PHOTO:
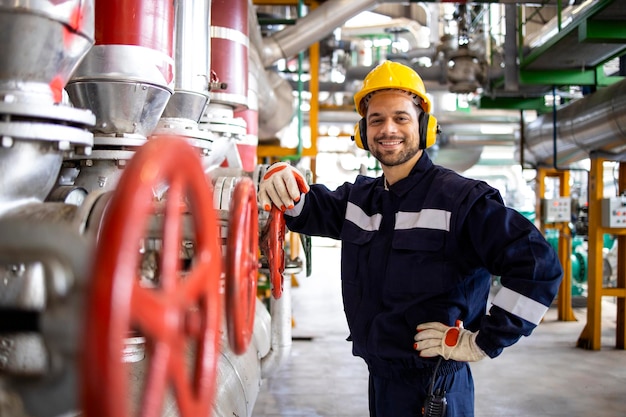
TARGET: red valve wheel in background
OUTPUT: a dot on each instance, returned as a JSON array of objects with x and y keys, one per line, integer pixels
[
  {"x": 179, "y": 315},
  {"x": 272, "y": 245},
  {"x": 242, "y": 265}
]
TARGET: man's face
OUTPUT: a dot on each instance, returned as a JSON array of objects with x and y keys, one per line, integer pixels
[{"x": 392, "y": 128}]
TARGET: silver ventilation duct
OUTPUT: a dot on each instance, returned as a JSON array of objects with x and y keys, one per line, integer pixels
[
  {"x": 594, "y": 123},
  {"x": 313, "y": 27},
  {"x": 416, "y": 35}
]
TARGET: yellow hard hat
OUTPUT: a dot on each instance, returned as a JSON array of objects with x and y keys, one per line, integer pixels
[{"x": 392, "y": 75}]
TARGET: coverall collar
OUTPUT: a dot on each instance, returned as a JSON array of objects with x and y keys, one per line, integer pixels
[{"x": 402, "y": 187}]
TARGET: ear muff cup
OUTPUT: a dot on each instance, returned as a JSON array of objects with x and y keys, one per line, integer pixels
[
  {"x": 360, "y": 138},
  {"x": 428, "y": 129}
]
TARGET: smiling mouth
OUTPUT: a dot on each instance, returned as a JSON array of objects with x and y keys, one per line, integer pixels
[{"x": 389, "y": 142}]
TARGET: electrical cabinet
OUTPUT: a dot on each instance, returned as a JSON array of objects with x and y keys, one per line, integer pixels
[
  {"x": 614, "y": 212},
  {"x": 556, "y": 210}
]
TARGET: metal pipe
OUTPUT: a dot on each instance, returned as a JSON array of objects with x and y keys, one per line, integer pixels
[
  {"x": 511, "y": 69},
  {"x": 238, "y": 376},
  {"x": 191, "y": 37},
  {"x": 192, "y": 62},
  {"x": 229, "y": 51},
  {"x": 127, "y": 78},
  {"x": 42, "y": 43},
  {"x": 416, "y": 34},
  {"x": 596, "y": 122},
  {"x": 148, "y": 24},
  {"x": 280, "y": 339},
  {"x": 310, "y": 29}
]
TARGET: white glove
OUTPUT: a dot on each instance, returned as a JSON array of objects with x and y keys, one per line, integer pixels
[
  {"x": 454, "y": 343},
  {"x": 282, "y": 185}
]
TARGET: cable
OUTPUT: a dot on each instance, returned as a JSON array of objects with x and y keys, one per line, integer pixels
[
  {"x": 432, "y": 381},
  {"x": 436, "y": 403}
]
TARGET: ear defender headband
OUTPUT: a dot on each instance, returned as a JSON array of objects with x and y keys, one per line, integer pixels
[{"x": 428, "y": 129}]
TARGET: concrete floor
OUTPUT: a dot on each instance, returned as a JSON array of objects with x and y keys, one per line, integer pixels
[{"x": 542, "y": 375}]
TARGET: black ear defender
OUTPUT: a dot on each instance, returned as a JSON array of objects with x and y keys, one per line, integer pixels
[
  {"x": 359, "y": 137},
  {"x": 428, "y": 130}
]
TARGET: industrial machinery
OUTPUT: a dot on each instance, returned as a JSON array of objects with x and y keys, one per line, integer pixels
[
  {"x": 131, "y": 244},
  {"x": 130, "y": 238}
]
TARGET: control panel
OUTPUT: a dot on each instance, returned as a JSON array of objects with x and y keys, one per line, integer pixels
[
  {"x": 556, "y": 210},
  {"x": 614, "y": 212}
]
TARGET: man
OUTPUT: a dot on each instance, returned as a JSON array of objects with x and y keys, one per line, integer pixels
[{"x": 419, "y": 247}]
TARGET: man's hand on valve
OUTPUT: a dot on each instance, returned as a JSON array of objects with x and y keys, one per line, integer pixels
[
  {"x": 456, "y": 343},
  {"x": 281, "y": 185}
]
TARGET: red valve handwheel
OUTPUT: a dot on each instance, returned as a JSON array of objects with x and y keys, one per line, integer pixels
[
  {"x": 242, "y": 260},
  {"x": 182, "y": 314},
  {"x": 273, "y": 247}
]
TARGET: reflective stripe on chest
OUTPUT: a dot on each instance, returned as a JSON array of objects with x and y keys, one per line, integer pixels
[{"x": 425, "y": 219}]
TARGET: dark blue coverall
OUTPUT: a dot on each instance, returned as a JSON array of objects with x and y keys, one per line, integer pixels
[{"x": 426, "y": 250}]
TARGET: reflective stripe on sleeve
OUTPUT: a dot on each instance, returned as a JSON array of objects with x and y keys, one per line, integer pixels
[
  {"x": 297, "y": 209},
  {"x": 425, "y": 219},
  {"x": 361, "y": 219},
  {"x": 520, "y": 305}
]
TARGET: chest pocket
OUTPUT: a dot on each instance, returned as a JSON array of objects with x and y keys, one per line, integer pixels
[
  {"x": 418, "y": 263},
  {"x": 355, "y": 252}
]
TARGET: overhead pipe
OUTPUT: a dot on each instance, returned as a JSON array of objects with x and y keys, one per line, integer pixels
[
  {"x": 275, "y": 99},
  {"x": 416, "y": 34},
  {"x": 312, "y": 28},
  {"x": 596, "y": 122}
]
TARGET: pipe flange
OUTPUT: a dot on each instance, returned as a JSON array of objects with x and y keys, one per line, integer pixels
[
  {"x": 109, "y": 155},
  {"x": 196, "y": 137},
  {"x": 234, "y": 126},
  {"x": 58, "y": 113},
  {"x": 68, "y": 139},
  {"x": 67, "y": 126}
]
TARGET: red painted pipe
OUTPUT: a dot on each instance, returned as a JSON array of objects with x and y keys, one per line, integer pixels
[
  {"x": 147, "y": 23},
  {"x": 229, "y": 46}
]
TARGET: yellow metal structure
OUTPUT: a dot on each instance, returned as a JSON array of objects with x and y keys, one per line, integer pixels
[
  {"x": 293, "y": 254},
  {"x": 564, "y": 297},
  {"x": 590, "y": 338}
]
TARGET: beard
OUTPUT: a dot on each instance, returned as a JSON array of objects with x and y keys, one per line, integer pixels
[{"x": 393, "y": 157}]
